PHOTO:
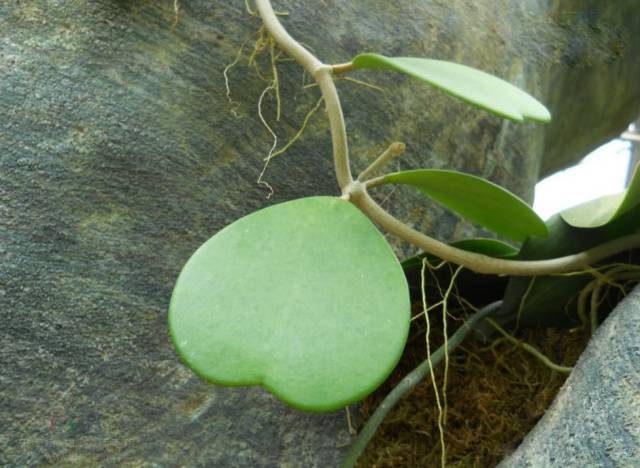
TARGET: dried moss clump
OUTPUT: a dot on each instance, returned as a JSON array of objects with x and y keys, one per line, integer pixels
[{"x": 496, "y": 393}]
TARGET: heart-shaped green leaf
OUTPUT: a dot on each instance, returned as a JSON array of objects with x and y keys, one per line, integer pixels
[
  {"x": 603, "y": 210},
  {"x": 473, "y": 86},
  {"x": 305, "y": 298},
  {"x": 477, "y": 199}
]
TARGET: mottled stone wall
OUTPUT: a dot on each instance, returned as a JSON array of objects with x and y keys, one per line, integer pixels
[
  {"x": 595, "y": 419},
  {"x": 119, "y": 155}
]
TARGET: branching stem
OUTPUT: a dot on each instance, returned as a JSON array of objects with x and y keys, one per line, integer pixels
[
  {"x": 323, "y": 75},
  {"x": 395, "y": 149},
  {"x": 482, "y": 263},
  {"x": 356, "y": 192}
]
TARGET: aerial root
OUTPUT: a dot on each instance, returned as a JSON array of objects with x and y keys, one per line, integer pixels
[
  {"x": 441, "y": 398},
  {"x": 264, "y": 43},
  {"x": 595, "y": 292},
  {"x": 261, "y": 180},
  {"x": 300, "y": 132},
  {"x": 436, "y": 392},
  {"x": 176, "y": 14},
  {"x": 532, "y": 350}
]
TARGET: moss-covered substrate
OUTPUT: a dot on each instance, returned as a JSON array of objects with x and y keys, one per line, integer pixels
[{"x": 496, "y": 393}]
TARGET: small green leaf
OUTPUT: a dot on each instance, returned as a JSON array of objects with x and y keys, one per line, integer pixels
[
  {"x": 477, "y": 199},
  {"x": 472, "y": 86},
  {"x": 603, "y": 210},
  {"x": 305, "y": 298}
]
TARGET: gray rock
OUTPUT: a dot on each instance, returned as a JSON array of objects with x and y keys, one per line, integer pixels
[
  {"x": 595, "y": 419},
  {"x": 119, "y": 156}
]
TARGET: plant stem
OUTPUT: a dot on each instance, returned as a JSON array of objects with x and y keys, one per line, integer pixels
[
  {"x": 395, "y": 149},
  {"x": 375, "y": 182},
  {"x": 409, "y": 382},
  {"x": 483, "y": 263},
  {"x": 323, "y": 75},
  {"x": 355, "y": 191},
  {"x": 342, "y": 68}
]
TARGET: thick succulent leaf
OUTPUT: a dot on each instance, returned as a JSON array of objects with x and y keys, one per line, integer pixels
[
  {"x": 477, "y": 199},
  {"x": 473, "y": 86},
  {"x": 603, "y": 210},
  {"x": 304, "y": 298}
]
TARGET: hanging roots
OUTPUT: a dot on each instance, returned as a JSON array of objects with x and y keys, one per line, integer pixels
[
  {"x": 618, "y": 276},
  {"x": 495, "y": 393},
  {"x": 442, "y": 407},
  {"x": 263, "y": 43},
  {"x": 176, "y": 14}
]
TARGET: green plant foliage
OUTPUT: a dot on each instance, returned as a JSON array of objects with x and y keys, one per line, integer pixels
[
  {"x": 304, "y": 298},
  {"x": 472, "y": 86},
  {"x": 547, "y": 297},
  {"x": 604, "y": 210},
  {"x": 551, "y": 299},
  {"x": 477, "y": 199}
]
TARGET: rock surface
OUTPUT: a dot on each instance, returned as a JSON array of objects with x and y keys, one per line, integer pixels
[
  {"x": 595, "y": 419},
  {"x": 120, "y": 155}
]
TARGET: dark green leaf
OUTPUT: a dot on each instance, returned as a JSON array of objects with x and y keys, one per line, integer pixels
[
  {"x": 476, "y": 199},
  {"x": 552, "y": 299},
  {"x": 304, "y": 298},
  {"x": 473, "y": 86}
]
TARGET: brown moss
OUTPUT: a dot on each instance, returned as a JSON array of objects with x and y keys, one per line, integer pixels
[{"x": 496, "y": 393}]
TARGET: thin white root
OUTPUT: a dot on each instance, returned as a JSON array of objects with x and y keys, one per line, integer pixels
[{"x": 261, "y": 180}]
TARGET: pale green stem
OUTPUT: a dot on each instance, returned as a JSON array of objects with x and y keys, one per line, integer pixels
[
  {"x": 323, "y": 75},
  {"x": 482, "y": 263},
  {"x": 342, "y": 68},
  {"x": 395, "y": 149},
  {"x": 355, "y": 191},
  {"x": 375, "y": 182}
]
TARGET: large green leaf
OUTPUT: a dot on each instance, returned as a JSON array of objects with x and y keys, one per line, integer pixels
[
  {"x": 476, "y": 199},
  {"x": 304, "y": 298},
  {"x": 603, "y": 210},
  {"x": 473, "y": 86}
]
